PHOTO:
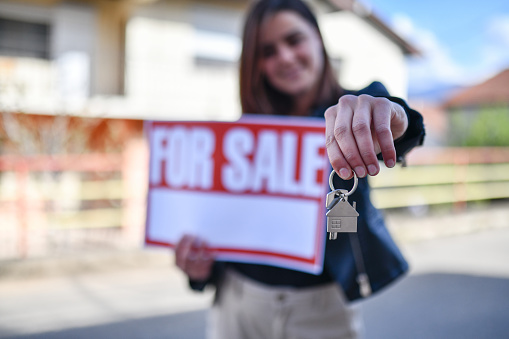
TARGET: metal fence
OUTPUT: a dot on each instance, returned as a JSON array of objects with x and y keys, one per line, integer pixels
[
  {"x": 63, "y": 203},
  {"x": 444, "y": 176},
  {"x": 56, "y": 205}
]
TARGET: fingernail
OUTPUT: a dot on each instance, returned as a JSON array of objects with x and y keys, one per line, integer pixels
[
  {"x": 360, "y": 171},
  {"x": 372, "y": 170},
  {"x": 390, "y": 163},
  {"x": 344, "y": 173}
]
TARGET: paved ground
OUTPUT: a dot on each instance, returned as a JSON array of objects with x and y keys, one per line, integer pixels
[{"x": 458, "y": 288}]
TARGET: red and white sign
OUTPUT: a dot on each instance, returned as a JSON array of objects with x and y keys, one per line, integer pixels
[{"x": 253, "y": 189}]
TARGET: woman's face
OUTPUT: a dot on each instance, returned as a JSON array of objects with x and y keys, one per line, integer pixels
[{"x": 291, "y": 53}]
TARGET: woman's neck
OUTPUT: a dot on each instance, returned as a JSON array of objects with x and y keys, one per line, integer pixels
[{"x": 303, "y": 103}]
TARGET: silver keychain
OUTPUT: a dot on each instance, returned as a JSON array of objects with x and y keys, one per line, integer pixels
[{"x": 341, "y": 216}]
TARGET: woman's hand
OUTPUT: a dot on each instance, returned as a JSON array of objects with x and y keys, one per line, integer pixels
[
  {"x": 360, "y": 127},
  {"x": 194, "y": 257}
]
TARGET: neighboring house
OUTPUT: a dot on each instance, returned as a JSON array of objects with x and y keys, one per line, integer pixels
[
  {"x": 492, "y": 92},
  {"x": 164, "y": 59},
  {"x": 93, "y": 70},
  {"x": 479, "y": 115}
]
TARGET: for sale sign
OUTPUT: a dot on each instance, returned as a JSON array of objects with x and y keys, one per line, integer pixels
[{"x": 254, "y": 189}]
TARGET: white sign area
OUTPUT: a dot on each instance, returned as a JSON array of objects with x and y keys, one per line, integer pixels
[{"x": 253, "y": 189}]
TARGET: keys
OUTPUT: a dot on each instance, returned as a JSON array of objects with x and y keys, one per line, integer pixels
[{"x": 341, "y": 216}]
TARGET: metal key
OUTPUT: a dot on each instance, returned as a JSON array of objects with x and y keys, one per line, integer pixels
[
  {"x": 341, "y": 216},
  {"x": 333, "y": 198}
]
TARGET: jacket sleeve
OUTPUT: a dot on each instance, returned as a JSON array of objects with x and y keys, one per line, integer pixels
[
  {"x": 415, "y": 133},
  {"x": 217, "y": 272}
]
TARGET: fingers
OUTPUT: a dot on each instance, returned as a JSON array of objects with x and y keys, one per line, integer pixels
[
  {"x": 366, "y": 161},
  {"x": 336, "y": 157},
  {"x": 194, "y": 257},
  {"x": 382, "y": 112},
  {"x": 357, "y": 129},
  {"x": 348, "y": 137}
]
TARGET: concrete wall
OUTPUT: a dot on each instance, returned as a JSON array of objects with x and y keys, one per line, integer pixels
[
  {"x": 179, "y": 65},
  {"x": 172, "y": 59}
]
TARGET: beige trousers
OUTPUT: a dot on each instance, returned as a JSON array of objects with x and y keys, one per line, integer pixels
[{"x": 246, "y": 309}]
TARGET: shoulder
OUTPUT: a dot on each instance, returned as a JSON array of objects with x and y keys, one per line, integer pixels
[{"x": 376, "y": 89}]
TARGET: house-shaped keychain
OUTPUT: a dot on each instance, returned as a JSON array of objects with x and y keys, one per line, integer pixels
[{"x": 342, "y": 217}]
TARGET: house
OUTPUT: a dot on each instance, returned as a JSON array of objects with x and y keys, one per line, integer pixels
[
  {"x": 479, "y": 115},
  {"x": 80, "y": 76},
  {"x": 342, "y": 217},
  {"x": 147, "y": 59},
  {"x": 492, "y": 92}
]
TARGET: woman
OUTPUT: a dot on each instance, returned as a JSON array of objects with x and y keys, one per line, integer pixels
[{"x": 284, "y": 70}]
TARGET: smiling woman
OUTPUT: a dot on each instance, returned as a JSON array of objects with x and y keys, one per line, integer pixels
[
  {"x": 283, "y": 58},
  {"x": 291, "y": 57},
  {"x": 285, "y": 70}
]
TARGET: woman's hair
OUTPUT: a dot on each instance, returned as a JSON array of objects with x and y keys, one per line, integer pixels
[{"x": 256, "y": 94}]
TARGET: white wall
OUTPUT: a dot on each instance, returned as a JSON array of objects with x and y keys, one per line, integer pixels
[
  {"x": 163, "y": 79},
  {"x": 164, "y": 41},
  {"x": 164, "y": 82},
  {"x": 366, "y": 54}
]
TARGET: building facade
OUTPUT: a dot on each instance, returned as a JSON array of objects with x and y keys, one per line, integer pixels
[{"x": 177, "y": 59}]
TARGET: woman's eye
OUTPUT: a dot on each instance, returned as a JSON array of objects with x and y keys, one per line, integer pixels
[
  {"x": 268, "y": 52},
  {"x": 295, "y": 40}
]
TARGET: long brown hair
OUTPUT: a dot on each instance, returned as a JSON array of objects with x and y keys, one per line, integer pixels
[{"x": 256, "y": 93}]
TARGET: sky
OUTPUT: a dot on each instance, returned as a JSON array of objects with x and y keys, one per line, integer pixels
[{"x": 462, "y": 42}]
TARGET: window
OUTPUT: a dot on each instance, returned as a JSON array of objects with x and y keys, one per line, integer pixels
[
  {"x": 212, "y": 49},
  {"x": 24, "y": 39}
]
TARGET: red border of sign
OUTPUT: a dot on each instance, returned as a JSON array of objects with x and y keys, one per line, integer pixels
[{"x": 312, "y": 123}]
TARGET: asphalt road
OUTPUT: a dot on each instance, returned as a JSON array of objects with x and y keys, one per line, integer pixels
[{"x": 458, "y": 288}]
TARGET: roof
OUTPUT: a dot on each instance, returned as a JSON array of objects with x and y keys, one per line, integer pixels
[
  {"x": 366, "y": 13},
  {"x": 342, "y": 209},
  {"x": 492, "y": 91}
]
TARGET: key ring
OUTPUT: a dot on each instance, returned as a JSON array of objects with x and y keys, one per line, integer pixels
[{"x": 355, "y": 183}]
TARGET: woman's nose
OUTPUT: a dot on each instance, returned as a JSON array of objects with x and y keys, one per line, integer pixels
[{"x": 286, "y": 54}]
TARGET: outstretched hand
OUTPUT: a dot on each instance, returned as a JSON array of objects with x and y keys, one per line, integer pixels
[{"x": 360, "y": 127}]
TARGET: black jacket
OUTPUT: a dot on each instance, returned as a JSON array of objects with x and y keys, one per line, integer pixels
[{"x": 383, "y": 262}]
